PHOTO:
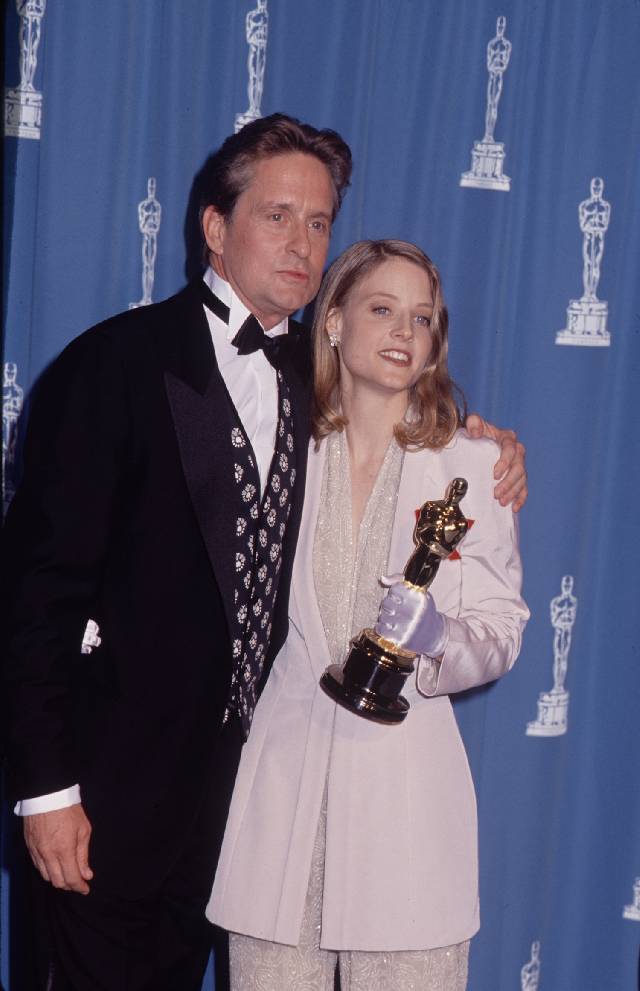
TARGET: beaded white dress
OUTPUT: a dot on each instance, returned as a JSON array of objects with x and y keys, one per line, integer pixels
[{"x": 346, "y": 577}]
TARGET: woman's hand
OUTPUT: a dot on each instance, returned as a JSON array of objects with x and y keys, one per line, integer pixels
[
  {"x": 410, "y": 619},
  {"x": 510, "y": 471}
]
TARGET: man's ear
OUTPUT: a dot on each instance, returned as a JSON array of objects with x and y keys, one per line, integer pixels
[
  {"x": 213, "y": 228},
  {"x": 333, "y": 325}
]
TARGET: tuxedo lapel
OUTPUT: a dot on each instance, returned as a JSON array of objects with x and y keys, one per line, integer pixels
[{"x": 199, "y": 407}]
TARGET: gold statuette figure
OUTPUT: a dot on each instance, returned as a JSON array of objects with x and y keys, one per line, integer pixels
[{"x": 371, "y": 679}]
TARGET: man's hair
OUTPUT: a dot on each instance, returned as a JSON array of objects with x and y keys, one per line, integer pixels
[
  {"x": 230, "y": 169},
  {"x": 433, "y": 416}
]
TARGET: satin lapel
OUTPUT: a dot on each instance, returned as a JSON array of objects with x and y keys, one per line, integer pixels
[
  {"x": 304, "y": 611},
  {"x": 199, "y": 406}
]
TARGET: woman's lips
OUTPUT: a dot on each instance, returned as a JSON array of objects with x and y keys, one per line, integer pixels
[{"x": 396, "y": 356}]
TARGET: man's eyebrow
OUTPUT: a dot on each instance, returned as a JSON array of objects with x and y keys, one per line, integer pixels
[{"x": 274, "y": 205}]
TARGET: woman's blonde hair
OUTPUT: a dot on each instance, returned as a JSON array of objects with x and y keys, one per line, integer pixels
[{"x": 433, "y": 415}]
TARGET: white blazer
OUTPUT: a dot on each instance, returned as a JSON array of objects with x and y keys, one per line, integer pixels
[{"x": 401, "y": 853}]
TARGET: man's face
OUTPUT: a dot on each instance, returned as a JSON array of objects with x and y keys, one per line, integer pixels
[{"x": 273, "y": 248}]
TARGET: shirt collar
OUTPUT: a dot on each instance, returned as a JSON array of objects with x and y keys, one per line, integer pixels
[{"x": 238, "y": 312}]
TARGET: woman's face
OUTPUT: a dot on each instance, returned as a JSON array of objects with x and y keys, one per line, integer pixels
[{"x": 384, "y": 328}]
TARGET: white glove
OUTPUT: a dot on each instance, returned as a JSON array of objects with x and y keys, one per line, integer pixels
[{"x": 410, "y": 618}]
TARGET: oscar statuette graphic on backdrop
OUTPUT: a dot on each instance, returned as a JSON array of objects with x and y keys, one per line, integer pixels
[
  {"x": 587, "y": 316},
  {"x": 371, "y": 679},
  {"x": 553, "y": 706},
  {"x": 149, "y": 218},
  {"x": 632, "y": 911},
  {"x": 23, "y": 103},
  {"x": 12, "y": 403},
  {"x": 257, "y": 32},
  {"x": 487, "y": 156},
  {"x": 530, "y": 972}
]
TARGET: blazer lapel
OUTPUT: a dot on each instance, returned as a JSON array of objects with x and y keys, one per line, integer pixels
[
  {"x": 417, "y": 484},
  {"x": 299, "y": 391},
  {"x": 292, "y": 365},
  {"x": 305, "y": 612}
]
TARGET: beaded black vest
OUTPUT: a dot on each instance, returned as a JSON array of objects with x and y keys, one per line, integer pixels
[{"x": 260, "y": 530}]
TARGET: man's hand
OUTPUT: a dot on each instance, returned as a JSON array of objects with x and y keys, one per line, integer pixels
[
  {"x": 58, "y": 843},
  {"x": 510, "y": 470}
]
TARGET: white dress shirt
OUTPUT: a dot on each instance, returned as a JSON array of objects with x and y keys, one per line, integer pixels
[
  {"x": 250, "y": 380},
  {"x": 252, "y": 383}
]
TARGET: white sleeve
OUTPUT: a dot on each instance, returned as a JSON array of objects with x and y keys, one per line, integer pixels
[
  {"x": 485, "y": 635},
  {"x": 49, "y": 803}
]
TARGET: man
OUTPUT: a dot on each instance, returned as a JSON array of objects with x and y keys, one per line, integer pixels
[{"x": 162, "y": 500}]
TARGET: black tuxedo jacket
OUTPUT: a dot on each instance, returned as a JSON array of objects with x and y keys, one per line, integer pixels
[{"x": 126, "y": 516}]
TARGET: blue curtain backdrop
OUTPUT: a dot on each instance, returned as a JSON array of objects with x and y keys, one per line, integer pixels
[{"x": 133, "y": 91}]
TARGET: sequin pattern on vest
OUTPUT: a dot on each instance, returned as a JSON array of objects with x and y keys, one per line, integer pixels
[{"x": 260, "y": 531}]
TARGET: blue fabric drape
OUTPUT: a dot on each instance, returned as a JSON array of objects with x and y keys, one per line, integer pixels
[{"x": 133, "y": 91}]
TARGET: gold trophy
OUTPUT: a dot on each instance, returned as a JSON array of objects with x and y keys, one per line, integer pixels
[{"x": 371, "y": 679}]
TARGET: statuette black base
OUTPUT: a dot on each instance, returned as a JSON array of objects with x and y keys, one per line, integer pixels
[{"x": 371, "y": 679}]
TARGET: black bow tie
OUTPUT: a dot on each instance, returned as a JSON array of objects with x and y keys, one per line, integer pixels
[{"x": 251, "y": 337}]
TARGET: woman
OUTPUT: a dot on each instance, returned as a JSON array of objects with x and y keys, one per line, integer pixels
[{"x": 346, "y": 836}]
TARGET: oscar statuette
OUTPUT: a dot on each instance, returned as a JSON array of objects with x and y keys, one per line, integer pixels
[{"x": 371, "y": 679}]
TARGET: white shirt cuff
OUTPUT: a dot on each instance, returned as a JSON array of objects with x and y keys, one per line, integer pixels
[{"x": 49, "y": 803}]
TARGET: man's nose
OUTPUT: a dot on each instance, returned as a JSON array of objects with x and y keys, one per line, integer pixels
[{"x": 299, "y": 240}]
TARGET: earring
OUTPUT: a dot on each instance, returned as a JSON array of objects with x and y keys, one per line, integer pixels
[{"x": 333, "y": 340}]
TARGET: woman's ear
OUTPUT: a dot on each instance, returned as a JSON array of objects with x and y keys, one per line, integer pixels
[{"x": 333, "y": 325}]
